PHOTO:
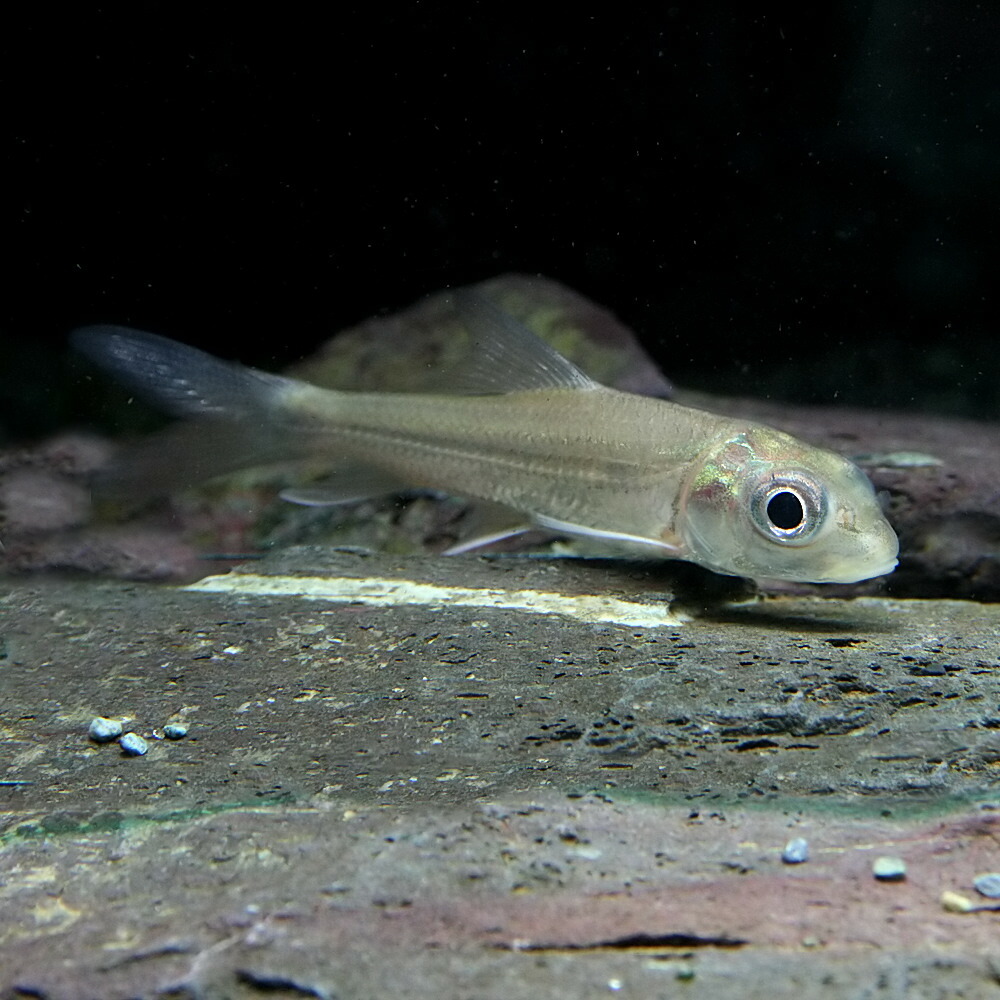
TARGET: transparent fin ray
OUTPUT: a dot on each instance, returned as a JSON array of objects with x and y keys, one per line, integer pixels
[
  {"x": 348, "y": 484},
  {"x": 661, "y": 548},
  {"x": 484, "y": 541},
  {"x": 507, "y": 356},
  {"x": 181, "y": 379}
]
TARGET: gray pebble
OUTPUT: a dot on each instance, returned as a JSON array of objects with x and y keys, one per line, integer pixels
[
  {"x": 133, "y": 745},
  {"x": 175, "y": 731},
  {"x": 988, "y": 885},
  {"x": 889, "y": 869},
  {"x": 796, "y": 851},
  {"x": 103, "y": 730}
]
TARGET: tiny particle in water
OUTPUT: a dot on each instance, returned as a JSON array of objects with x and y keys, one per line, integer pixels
[
  {"x": 889, "y": 869},
  {"x": 175, "y": 731},
  {"x": 103, "y": 730},
  {"x": 133, "y": 745},
  {"x": 796, "y": 851},
  {"x": 988, "y": 885}
]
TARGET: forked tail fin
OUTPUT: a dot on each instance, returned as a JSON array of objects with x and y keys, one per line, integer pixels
[
  {"x": 236, "y": 414},
  {"x": 180, "y": 379}
]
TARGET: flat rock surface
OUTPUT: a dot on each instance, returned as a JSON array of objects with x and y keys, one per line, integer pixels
[{"x": 415, "y": 783}]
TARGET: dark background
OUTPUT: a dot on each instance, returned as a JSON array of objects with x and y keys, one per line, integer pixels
[{"x": 799, "y": 205}]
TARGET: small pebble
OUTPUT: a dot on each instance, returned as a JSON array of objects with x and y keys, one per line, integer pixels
[
  {"x": 796, "y": 851},
  {"x": 889, "y": 869},
  {"x": 104, "y": 730},
  {"x": 175, "y": 731},
  {"x": 988, "y": 885},
  {"x": 955, "y": 902},
  {"x": 133, "y": 745}
]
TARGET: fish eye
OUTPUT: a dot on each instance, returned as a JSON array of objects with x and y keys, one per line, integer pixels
[
  {"x": 785, "y": 511},
  {"x": 788, "y": 508}
]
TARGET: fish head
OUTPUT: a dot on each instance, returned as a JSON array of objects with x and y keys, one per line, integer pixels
[{"x": 763, "y": 505}]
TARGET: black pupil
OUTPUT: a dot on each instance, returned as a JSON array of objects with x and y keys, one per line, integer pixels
[{"x": 784, "y": 510}]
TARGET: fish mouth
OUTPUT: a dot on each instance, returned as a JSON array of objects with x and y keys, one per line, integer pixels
[
  {"x": 850, "y": 571},
  {"x": 869, "y": 574},
  {"x": 885, "y": 570}
]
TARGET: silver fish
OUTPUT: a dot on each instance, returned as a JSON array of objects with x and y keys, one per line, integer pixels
[{"x": 530, "y": 431}]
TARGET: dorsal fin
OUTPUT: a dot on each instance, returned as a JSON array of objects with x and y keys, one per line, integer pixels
[{"x": 508, "y": 357}]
